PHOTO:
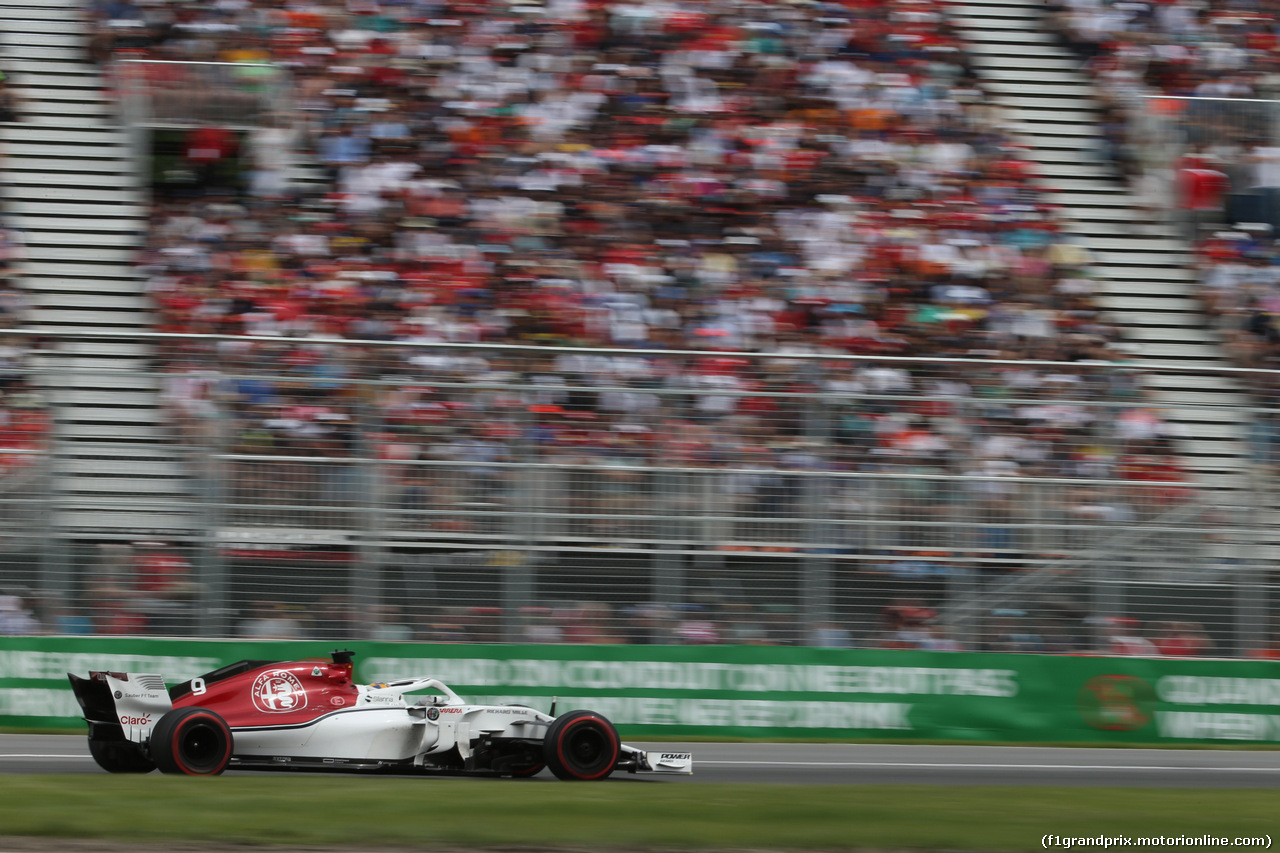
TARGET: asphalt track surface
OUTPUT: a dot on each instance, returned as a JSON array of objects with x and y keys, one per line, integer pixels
[{"x": 846, "y": 764}]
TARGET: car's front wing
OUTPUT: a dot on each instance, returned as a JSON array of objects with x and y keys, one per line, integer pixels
[{"x": 657, "y": 762}]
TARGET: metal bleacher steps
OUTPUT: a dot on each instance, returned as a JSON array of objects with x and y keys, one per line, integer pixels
[
  {"x": 70, "y": 187},
  {"x": 1146, "y": 283}
]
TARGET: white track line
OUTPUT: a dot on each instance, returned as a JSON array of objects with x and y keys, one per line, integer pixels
[{"x": 938, "y": 765}]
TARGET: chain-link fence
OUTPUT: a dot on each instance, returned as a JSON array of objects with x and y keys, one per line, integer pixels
[{"x": 497, "y": 493}]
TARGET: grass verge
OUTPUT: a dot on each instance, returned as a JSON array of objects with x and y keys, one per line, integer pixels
[{"x": 362, "y": 812}]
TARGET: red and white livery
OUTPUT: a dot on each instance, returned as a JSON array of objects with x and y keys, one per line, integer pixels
[{"x": 310, "y": 715}]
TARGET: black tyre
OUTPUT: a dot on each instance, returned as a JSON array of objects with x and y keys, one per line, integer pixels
[
  {"x": 120, "y": 756},
  {"x": 581, "y": 745},
  {"x": 526, "y": 770},
  {"x": 194, "y": 741}
]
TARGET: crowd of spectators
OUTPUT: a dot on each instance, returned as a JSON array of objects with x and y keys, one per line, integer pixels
[
  {"x": 799, "y": 181},
  {"x": 774, "y": 186},
  {"x": 797, "y": 178}
]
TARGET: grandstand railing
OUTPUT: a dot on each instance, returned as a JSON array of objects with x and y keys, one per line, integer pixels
[
  {"x": 161, "y": 101},
  {"x": 162, "y": 93},
  {"x": 1167, "y": 129},
  {"x": 498, "y": 492}
]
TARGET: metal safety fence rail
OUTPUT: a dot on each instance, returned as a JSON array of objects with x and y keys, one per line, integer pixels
[{"x": 491, "y": 493}]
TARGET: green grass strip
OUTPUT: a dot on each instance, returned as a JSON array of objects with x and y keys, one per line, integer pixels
[{"x": 364, "y": 812}]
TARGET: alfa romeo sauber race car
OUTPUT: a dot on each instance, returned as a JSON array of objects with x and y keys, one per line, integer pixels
[{"x": 310, "y": 715}]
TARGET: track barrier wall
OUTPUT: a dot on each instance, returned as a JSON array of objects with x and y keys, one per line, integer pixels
[{"x": 738, "y": 691}]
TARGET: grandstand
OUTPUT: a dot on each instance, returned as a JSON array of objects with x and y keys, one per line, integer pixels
[
  {"x": 877, "y": 320},
  {"x": 1147, "y": 284}
]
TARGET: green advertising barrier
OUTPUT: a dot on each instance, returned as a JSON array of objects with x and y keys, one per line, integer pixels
[{"x": 740, "y": 691}]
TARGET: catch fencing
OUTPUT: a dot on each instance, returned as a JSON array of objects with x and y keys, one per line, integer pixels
[{"x": 477, "y": 493}]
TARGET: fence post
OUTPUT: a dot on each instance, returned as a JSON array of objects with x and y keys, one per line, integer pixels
[
  {"x": 517, "y": 592},
  {"x": 1251, "y": 603},
  {"x": 365, "y": 578},
  {"x": 668, "y": 566},
  {"x": 212, "y": 494},
  {"x": 816, "y": 561},
  {"x": 962, "y": 589},
  {"x": 1107, "y": 596},
  {"x": 55, "y": 569}
]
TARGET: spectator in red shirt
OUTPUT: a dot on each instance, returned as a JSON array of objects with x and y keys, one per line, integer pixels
[
  {"x": 164, "y": 588},
  {"x": 1182, "y": 639},
  {"x": 1202, "y": 189}
]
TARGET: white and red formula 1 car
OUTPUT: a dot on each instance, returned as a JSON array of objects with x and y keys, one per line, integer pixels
[{"x": 309, "y": 715}]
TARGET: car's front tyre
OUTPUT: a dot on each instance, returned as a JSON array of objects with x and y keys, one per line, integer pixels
[
  {"x": 581, "y": 745},
  {"x": 192, "y": 741}
]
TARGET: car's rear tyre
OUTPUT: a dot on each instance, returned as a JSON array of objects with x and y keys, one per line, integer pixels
[
  {"x": 194, "y": 741},
  {"x": 581, "y": 745},
  {"x": 120, "y": 756},
  {"x": 527, "y": 771}
]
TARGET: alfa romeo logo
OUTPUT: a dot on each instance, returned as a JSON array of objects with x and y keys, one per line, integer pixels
[
  {"x": 277, "y": 691},
  {"x": 1121, "y": 703}
]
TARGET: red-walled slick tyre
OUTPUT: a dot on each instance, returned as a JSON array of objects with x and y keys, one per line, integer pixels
[
  {"x": 194, "y": 741},
  {"x": 581, "y": 745},
  {"x": 527, "y": 771}
]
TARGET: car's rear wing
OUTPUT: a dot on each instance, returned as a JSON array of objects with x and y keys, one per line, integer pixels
[{"x": 121, "y": 704}]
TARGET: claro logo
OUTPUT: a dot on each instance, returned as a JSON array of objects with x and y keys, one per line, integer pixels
[{"x": 126, "y": 720}]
